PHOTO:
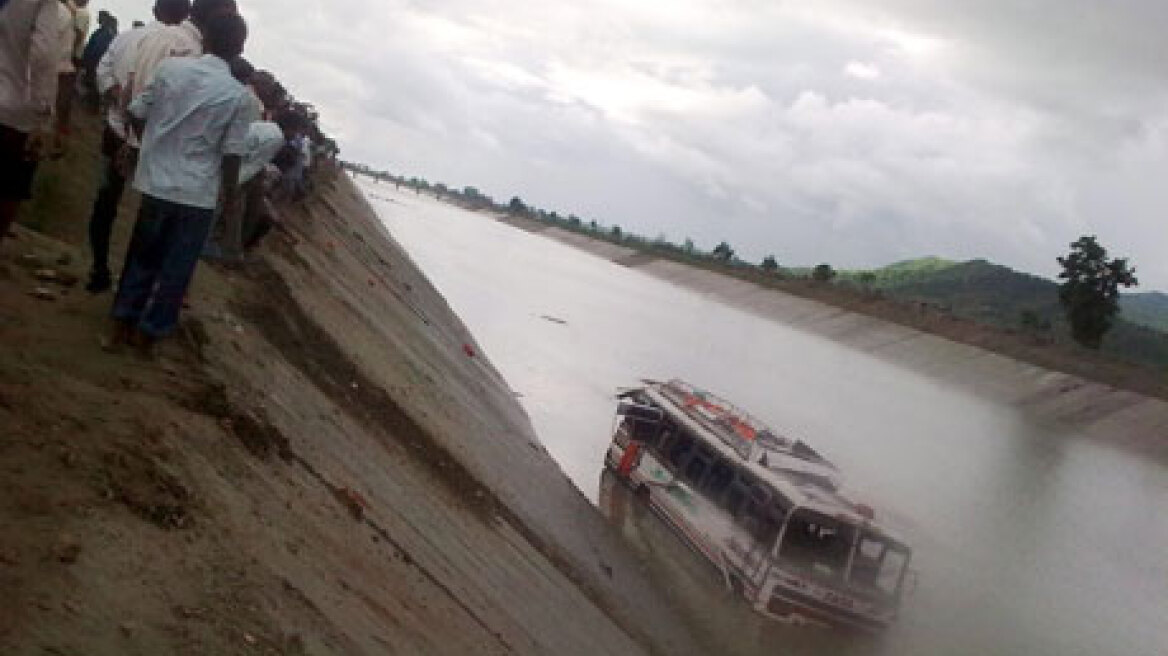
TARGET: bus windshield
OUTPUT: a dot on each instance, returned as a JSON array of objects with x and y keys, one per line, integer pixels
[
  {"x": 817, "y": 545},
  {"x": 879, "y": 564}
]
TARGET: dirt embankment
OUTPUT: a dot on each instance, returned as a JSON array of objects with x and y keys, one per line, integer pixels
[
  {"x": 321, "y": 461},
  {"x": 1069, "y": 388}
]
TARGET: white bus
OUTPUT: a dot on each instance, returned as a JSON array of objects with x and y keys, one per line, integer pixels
[{"x": 766, "y": 510}]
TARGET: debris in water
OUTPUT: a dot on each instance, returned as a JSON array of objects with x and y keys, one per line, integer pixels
[{"x": 552, "y": 319}]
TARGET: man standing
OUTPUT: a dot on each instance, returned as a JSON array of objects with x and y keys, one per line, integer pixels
[
  {"x": 113, "y": 76},
  {"x": 28, "y": 86},
  {"x": 193, "y": 112},
  {"x": 182, "y": 40},
  {"x": 107, "y": 29},
  {"x": 74, "y": 25}
]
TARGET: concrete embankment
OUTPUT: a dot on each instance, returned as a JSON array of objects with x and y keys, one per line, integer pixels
[
  {"x": 1089, "y": 408},
  {"x": 322, "y": 461}
]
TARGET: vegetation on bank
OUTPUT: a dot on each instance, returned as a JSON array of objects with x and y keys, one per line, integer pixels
[{"x": 976, "y": 291}]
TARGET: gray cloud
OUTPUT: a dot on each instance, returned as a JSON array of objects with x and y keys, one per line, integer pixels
[{"x": 851, "y": 132}]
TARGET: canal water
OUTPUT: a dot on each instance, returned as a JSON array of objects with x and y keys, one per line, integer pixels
[{"x": 1028, "y": 539}]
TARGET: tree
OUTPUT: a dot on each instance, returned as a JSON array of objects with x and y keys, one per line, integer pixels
[
  {"x": 1090, "y": 295},
  {"x": 723, "y": 252},
  {"x": 616, "y": 231},
  {"x": 516, "y": 206},
  {"x": 823, "y": 273},
  {"x": 769, "y": 264},
  {"x": 867, "y": 279}
]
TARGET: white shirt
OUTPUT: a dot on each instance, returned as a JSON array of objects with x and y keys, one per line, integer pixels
[
  {"x": 81, "y": 21},
  {"x": 114, "y": 70},
  {"x": 264, "y": 141},
  {"x": 66, "y": 38},
  {"x": 182, "y": 40},
  {"x": 28, "y": 61},
  {"x": 195, "y": 115}
]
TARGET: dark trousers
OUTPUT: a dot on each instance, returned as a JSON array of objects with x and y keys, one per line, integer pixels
[
  {"x": 164, "y": 251},
  {"x": 105, "y": 206}
]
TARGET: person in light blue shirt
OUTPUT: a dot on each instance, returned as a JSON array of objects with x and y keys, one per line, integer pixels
[{"x": 193, "y": 122}]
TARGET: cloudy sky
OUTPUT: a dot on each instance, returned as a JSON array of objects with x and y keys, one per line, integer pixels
[{"x": 843, "y": 131}]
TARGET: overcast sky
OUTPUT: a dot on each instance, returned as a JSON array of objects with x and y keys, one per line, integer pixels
[{"x": 844, "y": 131}]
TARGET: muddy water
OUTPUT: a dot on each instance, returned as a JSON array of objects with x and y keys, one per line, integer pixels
[{"x": 1029, "y": 539}]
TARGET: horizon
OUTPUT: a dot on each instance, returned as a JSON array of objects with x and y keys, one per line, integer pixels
[{"x": 851, "y": 133}]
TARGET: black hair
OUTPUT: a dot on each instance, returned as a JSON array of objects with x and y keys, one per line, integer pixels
[
  {"x": 241, "y": 69},
  {"x": 290, "y": 121},
  {"x": 202, "y": 11},
  {"x": 224, "y": 36},
  {"x": 172, "y": 12}
]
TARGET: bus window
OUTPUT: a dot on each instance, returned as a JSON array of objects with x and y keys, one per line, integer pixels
[
  {"x": 645, "y": 432},
  {"x": 770, "y": 523},
  {"x": 736, "y": 497},
  {"x": 817, "y": 544},
  {"x": 679, "y": 451},
  {"x": 718, "y": 482},
  {"x": 699, "y": 464},
  {"x": 754, "y": 511}
]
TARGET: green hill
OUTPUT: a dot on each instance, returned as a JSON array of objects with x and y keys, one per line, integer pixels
[
  {"x": 1000, "y": 296},
  {"x": 1150, "y": 309}
]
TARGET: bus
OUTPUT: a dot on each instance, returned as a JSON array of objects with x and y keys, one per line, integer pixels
[{"x": 767, "y": 511}]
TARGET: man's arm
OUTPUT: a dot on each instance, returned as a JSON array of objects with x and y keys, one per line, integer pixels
[{"x": 139, "y": 109}]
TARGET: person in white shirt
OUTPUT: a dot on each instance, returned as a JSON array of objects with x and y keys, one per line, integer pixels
[
  {"x": 74, "y": 26},
  {"x": 28, "y": 86},
  {"x": 265, "y": 139},
  {"x": 117, "y": 162},
  {"x": 182, "y": 40},
  {"x": 192, "y": 120}
]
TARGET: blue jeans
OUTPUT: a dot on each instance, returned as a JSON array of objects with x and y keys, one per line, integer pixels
[{"x": 163, "y": 253}]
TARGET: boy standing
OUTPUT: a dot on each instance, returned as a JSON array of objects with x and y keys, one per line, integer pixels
[{"x": 196, "y": 124}]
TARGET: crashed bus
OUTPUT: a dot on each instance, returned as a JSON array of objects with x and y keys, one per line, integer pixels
[{"x": 767, "y": 511}]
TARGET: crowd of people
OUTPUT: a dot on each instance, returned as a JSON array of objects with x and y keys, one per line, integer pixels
[{"x": 212, "y": 144}]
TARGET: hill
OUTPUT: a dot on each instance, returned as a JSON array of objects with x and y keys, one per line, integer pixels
[
  {"x": 993, "y": 294},
  {"x": 1150, "y": 309}
]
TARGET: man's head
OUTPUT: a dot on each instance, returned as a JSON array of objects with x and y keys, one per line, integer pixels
[
  {"x": 172, "y": 12},
  {"x": 202, "y": 11},
  {"x": 268, "y": 89},
  {"x": 224, "y": 36},
  {"x": 291, "y": 123}
]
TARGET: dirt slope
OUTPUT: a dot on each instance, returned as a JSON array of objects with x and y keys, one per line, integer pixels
[{"x": 322, "y": 461}]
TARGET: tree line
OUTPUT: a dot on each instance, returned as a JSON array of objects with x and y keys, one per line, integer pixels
[{"x": 1088, "y": 295}]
